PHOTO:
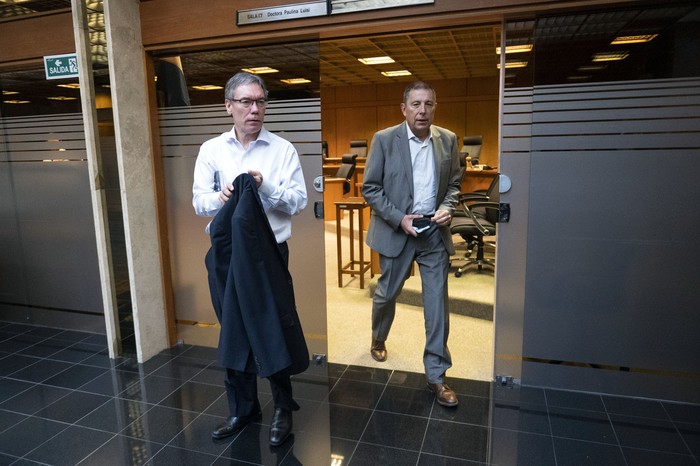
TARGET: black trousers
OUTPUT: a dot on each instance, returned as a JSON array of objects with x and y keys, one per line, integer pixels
[
  {"x": 242, "y": 392},
  {"x": 242, "y": 387}
]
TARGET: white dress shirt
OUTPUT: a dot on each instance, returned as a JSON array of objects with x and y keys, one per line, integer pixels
[{"x": 283, "y": 190}]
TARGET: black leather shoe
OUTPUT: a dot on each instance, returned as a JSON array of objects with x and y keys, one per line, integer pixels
[
  {"x": 378, "y": 350},
  {"x": 281, "y": 426},
  {"x": 234, "y": 424}
]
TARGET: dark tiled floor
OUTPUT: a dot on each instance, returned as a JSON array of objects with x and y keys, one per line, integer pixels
[{"x": 63, "y": 401}]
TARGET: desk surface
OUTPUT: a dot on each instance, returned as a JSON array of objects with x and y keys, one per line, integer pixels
[
  {"x": 476, "y": 172},
  {"x": 475, "y": 180},
  {"x": 352, "y": 201}
]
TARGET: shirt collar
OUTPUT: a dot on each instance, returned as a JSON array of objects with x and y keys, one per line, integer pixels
[
  {"x": 264, "y": 136},
  {"x": 416, "y": 138}
]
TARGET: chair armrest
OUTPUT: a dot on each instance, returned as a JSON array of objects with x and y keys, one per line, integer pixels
[{"x": 467, "y": 207}]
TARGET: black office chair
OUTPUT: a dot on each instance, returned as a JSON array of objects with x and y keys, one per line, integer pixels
[
  {"x": 346, "y": 170},
  {"x": 359, "y": 147},
  {"x": 471, "y": 146},
  {"x": 479, "y": 220}
]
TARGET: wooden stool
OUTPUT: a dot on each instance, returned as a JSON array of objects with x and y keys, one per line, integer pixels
[{"x": 356, "y": 266}]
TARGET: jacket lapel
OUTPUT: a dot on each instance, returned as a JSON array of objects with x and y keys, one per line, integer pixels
[{"x": 402, "y": 148}]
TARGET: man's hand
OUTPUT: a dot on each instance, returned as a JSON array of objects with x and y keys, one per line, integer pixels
[
  {"x": 407, "y": 224},
  {"x": 442, "y": 218},
  {"x": 225, "y": 193},
  {"x": 257, "y": 176}
]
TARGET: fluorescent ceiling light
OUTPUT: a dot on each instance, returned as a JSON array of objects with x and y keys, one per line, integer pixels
[
  {"x": 393, "y": 74},
  {"x": 261, "y": 70},
  {"x": 591, "y": 68},
  {"x": 4, "y": 92},
  {"x": 61, "y": 97},
  {"x": 207, "y": 87},
  {"x": 14, "y": 102},
  {"x": 295, "y": 81},
  {"x": 376, "y": 60},
  {"x": 515, "y": 49},
  {"x": 70, "y": 86},
  {"x": 610, "y": 56},
  {"x": 578, "y": 78},
  {"x": 513, "y": 64},
  {"x": 633, "y": 39}
]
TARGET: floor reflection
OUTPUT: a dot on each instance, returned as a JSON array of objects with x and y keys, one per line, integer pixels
[{"x": 92, "y": 411}]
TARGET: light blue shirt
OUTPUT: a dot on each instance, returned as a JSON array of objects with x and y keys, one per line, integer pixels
[{"x": 423, "y": 162}]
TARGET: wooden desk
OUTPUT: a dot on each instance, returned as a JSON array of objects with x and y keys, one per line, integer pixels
[{"x": 477, "y": 179}]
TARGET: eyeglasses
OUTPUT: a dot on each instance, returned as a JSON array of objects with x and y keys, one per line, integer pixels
[{"x": 246, "y": 103}]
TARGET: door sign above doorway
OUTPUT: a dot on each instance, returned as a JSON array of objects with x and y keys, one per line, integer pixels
[{"x": 295, "y": 11}]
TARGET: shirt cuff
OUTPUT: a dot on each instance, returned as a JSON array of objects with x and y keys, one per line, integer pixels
[{"x": 266, "y": 188}]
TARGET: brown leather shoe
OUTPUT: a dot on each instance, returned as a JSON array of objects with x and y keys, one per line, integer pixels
[
  {"x": 444, "y": 395},
  {"x": 378, "y": 350}
]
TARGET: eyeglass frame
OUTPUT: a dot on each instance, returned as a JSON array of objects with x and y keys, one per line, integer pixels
[{"x": 247, "y": 103}]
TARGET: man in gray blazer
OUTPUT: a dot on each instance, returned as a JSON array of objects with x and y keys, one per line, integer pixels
[{"x": 412, "y": 182}]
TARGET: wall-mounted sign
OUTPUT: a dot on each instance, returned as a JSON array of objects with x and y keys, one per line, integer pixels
[
  {"x": 279, "y": 13},
  {"x": 61, "y": 66},
  {"x": 350, "y": 6}
]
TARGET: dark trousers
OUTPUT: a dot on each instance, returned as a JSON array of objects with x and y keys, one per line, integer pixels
[
  {"x": 242, "y": 387},
  {"x": 242, "y": 392}
]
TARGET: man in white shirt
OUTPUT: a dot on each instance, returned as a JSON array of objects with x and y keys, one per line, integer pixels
[
  {"x": 412, "y": 182},
  {"x": 274, "y": 165}
]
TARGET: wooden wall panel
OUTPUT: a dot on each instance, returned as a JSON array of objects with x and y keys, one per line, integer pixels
[
  {"x": 482, "y": 118},
  {"x": 31, "y": 38},
  {"x": 354, "y": 123},
  {"x": 389, "y": 115}
]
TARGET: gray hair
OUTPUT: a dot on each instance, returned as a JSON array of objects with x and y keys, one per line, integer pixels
[
  {"x": 241, "y": 79},
  {"x": 417, "y": 85}
]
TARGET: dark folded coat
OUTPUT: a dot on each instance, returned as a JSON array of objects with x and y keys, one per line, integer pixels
[{"x": 252, "y": 290}]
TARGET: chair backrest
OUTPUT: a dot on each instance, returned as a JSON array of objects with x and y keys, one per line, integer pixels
[
  {"x": 471, "y": 145},
  {"x": 346, "y": 170},
  {"x": 359, "y": 147}
]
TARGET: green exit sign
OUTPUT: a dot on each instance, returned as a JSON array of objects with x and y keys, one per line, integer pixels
[{"x": 61, "y": 66}]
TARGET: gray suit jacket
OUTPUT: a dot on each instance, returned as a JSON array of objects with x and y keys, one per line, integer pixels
[{"x": 387, "y": 185}]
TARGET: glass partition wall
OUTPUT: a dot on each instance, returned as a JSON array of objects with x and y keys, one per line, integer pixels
[
  {"x": 50, "y": 273},
  {"x": 600, "y": 138}
]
